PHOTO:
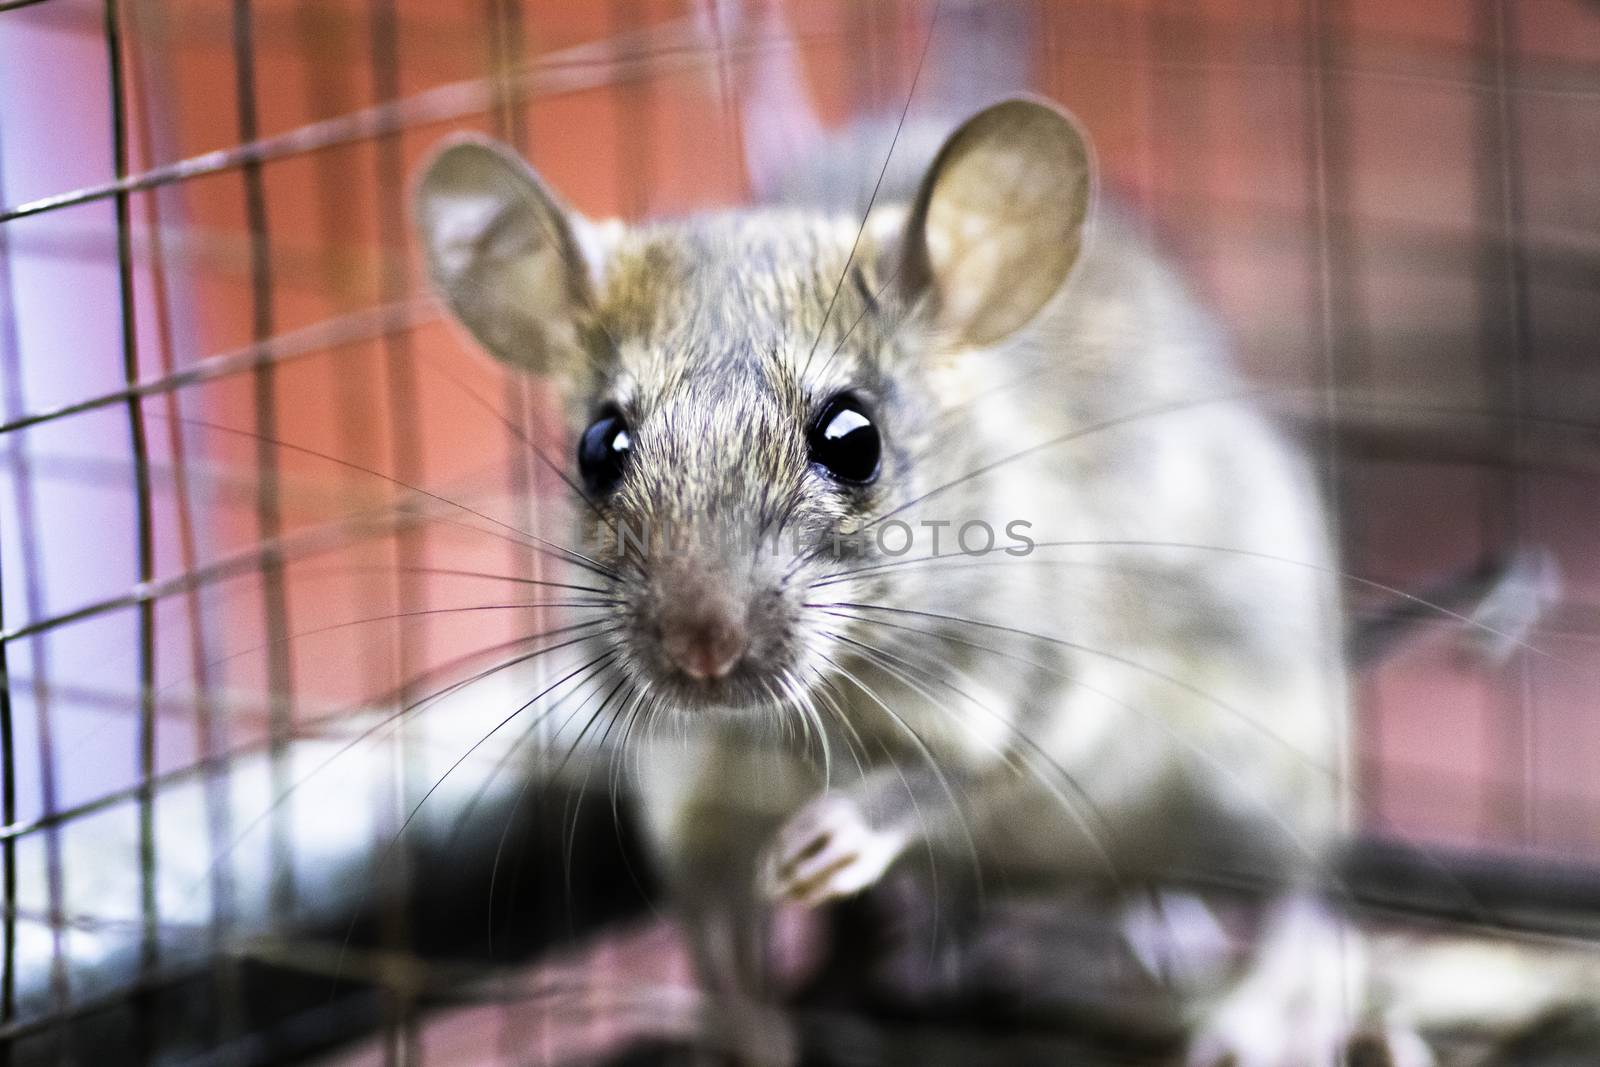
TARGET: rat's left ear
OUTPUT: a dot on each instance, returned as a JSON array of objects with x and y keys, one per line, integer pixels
[
  {"x": 999, "y": 220},
  {"x": 505, "y": 254}
]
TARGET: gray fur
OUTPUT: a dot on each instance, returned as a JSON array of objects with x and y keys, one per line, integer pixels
[{"x": 1163, "y": 693}]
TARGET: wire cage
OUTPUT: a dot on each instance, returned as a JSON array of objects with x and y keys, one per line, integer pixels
[{"x": 265, "y": 519}]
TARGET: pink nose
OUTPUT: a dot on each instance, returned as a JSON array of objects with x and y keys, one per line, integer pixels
[{"x": 704, "y": 647}]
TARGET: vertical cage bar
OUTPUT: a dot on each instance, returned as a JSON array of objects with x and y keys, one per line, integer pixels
[
  {"x": 8, "y": 753},
  {"x": 12, "y": 401},
  {"x": 635, "y": 125},
  {"x": 144, "y": 74},
  {"x": 144, "y": 511},
  {"x": 506, "y": 43},
  {"x": 1503, "y": 325},
  {"x": 280, "y": 698},
  {"x": 1335, "y": 312},
  {"x": 406, "y": 449},
  {"x": 1180, "y": 44},
  {"x": 8, "y": 849},
  {"x": 503, "y": 19}
]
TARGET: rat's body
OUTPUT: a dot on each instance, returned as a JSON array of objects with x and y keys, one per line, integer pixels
[
  {"x": 1153, "y": 693},
  {"x": 1181, "y": 712}
]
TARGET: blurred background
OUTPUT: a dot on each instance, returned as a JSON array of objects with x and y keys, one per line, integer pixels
[{"x": 234, "y": 435}]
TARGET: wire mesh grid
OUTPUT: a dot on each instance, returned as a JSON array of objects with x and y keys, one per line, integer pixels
[{"x": 234, "y": 429}]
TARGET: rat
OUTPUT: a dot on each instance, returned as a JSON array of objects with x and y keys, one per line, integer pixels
[{"x": 947, "y": 539}]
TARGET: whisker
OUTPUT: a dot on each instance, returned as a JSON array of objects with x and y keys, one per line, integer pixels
[
  {"x": 213, "y": 764},
  {"x": 1319, "y": 863},
  {"x": 281, "y": 547},
  {"x": 412, "y": 814},
  {"x": 96, "y": 732},
  {"x": 877, "y": 185},
  {"x": 630, "y": 702},
  {"x": 570, "y": 555},
  {"x": 538, "y": 452},
  {"x": 617, "y": 768},
  {"x": 932, "y": 763},
  {"x": 522, "y": 792},
  {"x": 504, "y": 759},
  {"x": 855, "y": 746},
  {"x": 1135, "y": 709},
  {"x": 808, "y": 712},
  {"x": 1061, "y": 439},
  {"x": 385, "y": 722},
  {"x": 883, "y": 657},
  {"x": 796, "y": 726},
  {"x": 873, "y": 303},
  {"x": 1433, "y": 607},
  {"x": 569, "y": 828},
  {"x": 1114, "y": 657},
  {"x": 452, "y": 572},
  {"x": 400, "y": 615},
  {"x": 1267, "y": 394}
]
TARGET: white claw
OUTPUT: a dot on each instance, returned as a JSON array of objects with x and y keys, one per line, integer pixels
[{"x": 826, "y": 851}]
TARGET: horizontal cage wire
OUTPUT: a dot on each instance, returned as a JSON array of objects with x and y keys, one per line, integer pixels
[{"x": 305, "y": 755}]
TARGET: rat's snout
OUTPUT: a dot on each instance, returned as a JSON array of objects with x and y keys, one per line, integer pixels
[
  {"x": 705, "y": 626},
  {"x": 706, "y": 645}
]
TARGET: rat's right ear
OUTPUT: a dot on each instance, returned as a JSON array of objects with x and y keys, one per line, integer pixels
[
  {"x": 999, "y": 220},
  {"x": 503, "y": 253}
]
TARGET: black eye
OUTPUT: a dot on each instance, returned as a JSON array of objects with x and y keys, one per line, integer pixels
[
  {"x": 603, "y": 452},
  {"x": 845, "y": 442}
]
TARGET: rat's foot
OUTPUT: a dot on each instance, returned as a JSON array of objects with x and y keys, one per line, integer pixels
[
  {"x": 1255, "y": 1039},
  {"x": 1258, "y": 1048},
  {"x": 828, "y": 850},
  {"x": 1298, "y": 1006},
  {"x": 1393, "y": 1047}
]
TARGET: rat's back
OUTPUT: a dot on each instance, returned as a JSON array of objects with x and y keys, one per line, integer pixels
[{"x": 1171, "y": 638}]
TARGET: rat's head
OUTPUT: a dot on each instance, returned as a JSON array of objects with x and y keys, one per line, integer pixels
[{"x": 751, "y": 390}]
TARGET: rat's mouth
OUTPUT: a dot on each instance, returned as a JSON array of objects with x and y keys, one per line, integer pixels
[
  {"x": 743, "y": 686},
  {"x": 752, "y": 679}
]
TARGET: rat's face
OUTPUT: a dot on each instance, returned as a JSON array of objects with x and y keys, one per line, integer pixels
[
  {"x": 753, "y": 392},
  {"x": 731, "y": 440}
]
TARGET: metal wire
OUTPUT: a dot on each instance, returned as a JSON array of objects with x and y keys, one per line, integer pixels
[
  {"x": 406, "y": 451},
  {"x": 8, "y": 749},
  {"x": 581, "y": 67},
  {"x": 341, "y": 302},
  {"x": 149, "y": 948}
]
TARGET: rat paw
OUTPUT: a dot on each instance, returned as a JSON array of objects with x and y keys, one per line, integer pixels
[
  {"x": 1297, "y": 1005},
  {"x": 1235, "y": 1040},
  {"x": 1261, "y": 1043},
  {"x": 1392, "y": 1048},
  {"x": 1261, "y": 1026},
  {"x": 827, "y": 851}
]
